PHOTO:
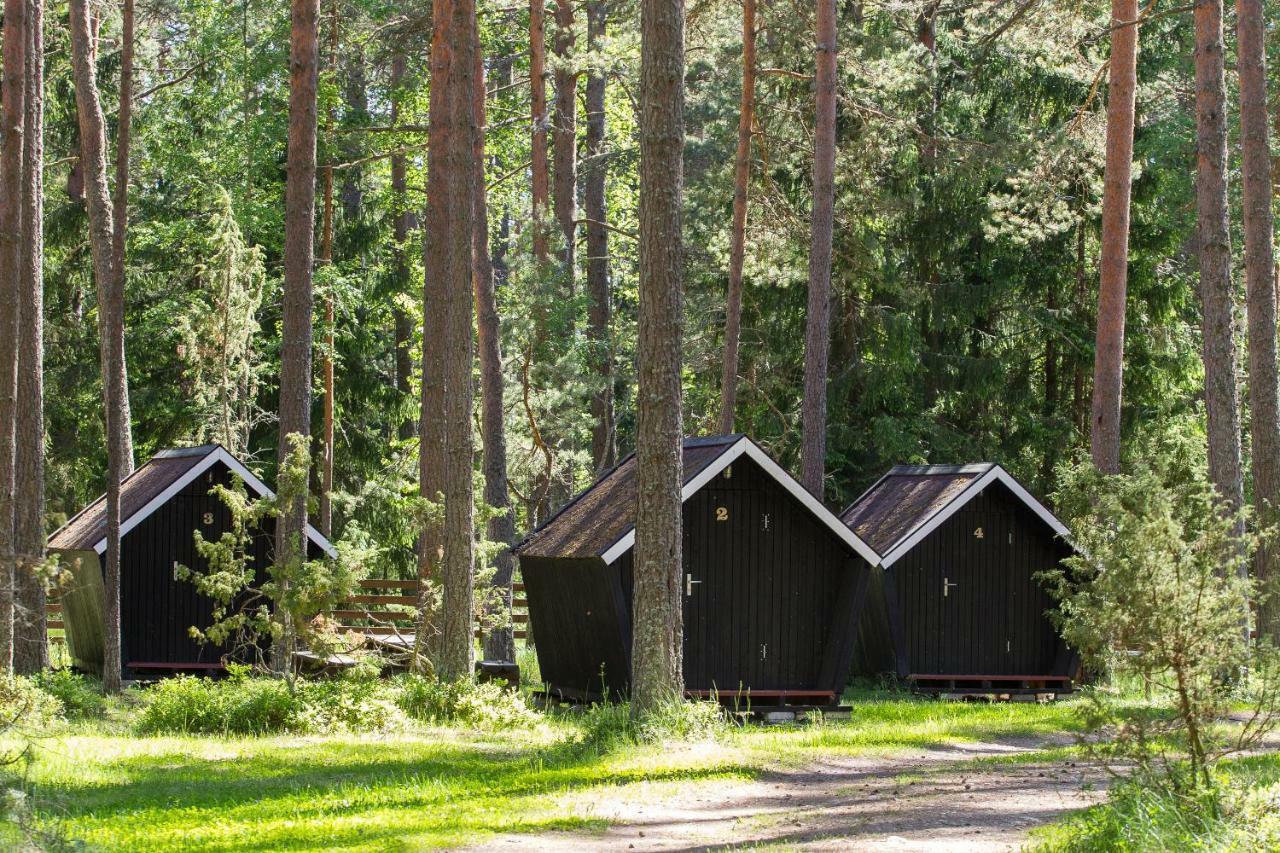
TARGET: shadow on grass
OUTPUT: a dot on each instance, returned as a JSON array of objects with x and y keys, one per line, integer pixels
[{"x": 339, "y": 795}]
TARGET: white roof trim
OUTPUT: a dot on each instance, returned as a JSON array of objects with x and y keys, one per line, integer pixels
[
  {"x": 995, "y": 475},
  {"x": 745, "y": 446},
  {"x": 218, "y": 454}
]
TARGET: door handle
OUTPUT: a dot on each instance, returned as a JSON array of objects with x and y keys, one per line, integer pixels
[
  {"x": 688, "y": 585},
  {"x": 946, "y": 587}
]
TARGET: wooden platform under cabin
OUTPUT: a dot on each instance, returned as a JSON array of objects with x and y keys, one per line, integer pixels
[{"x": 999, "y": 685}]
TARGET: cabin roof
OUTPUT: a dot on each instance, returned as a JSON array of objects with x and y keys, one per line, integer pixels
[
  {"x": 911, "y": 501},
  {"x": 600, "y": 522},
  {"x": 150, "y": 487}
]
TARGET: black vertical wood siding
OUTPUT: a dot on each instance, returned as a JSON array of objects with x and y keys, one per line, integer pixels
[
  {"x": 993, "y": 620},
  {"x": 157, "y": 611},
  {"x": 773, "y": 603}
]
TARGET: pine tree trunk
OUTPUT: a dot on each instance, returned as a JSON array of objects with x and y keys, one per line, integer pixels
[
  {"x": 658, "y": 629},
  {"x": 1259, "y": 255},
  {"x": 299, "y": 255},
  {"x": 451, "y": 173},
  {"x": 595, "y": 173},
  {"x": 325, "y": 520},
  {"x": 541, "y": 184},
  {"x": 738, "y": 236},
  {"x": 13, "y": 114},
  {"x": 1108, "y": 369},
  {"x": 565, "y": 135},
  {"x": 499, "y": 644},
  {"x": 813, "y": 447},
  {"x": 403, "y": 223},
  {"x": 31, "y": 644},
  {"x": 1213, "y": 227},
  {"x": 110, "y": 317},
  {"x": 120, "y": 200}
]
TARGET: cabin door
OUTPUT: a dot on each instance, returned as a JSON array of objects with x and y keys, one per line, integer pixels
[
  {"x": 963, "y": 598},
  {"x": 726, "y": 647}
]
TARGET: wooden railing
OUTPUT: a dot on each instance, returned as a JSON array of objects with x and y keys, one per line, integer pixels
[{"x": 370, "y": 611}]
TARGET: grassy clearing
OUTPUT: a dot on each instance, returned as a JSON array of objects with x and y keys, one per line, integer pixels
[
  {"x": 436, "y": 787},
  {"x": 1244, "y": 816}
]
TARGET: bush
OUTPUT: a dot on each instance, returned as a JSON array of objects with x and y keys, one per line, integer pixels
[
  {"x": 81, "y": 696},
  {"x": 484, "y": 705},
  {"x": 610, "y": 725},
  {"x": 24, "y": 705},
  {"x": 347, "y": 704}
]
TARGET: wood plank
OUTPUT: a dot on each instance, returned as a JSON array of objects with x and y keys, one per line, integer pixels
[
  {"x": 385, "y": 583},
  {"x": 55, "y": 625},
  {"x": 410, "y": 600}
]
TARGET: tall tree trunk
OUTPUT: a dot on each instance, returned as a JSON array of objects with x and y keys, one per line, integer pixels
[
  {"x": 451, "y": 177},
  {"x": 565, "y": 134},
  {"x": 595, "y": 174},
  {"x": 325, "y": 260},
  {"x": 403, "y": 223},
  {"x": 658, "y": 629},
  {"x": 499, "y": 643},
  {"x": 13, "y": 113},
  {"x": 120, "y": 200},
  {"x": 110, "y": 316},
  {"x": 1259, "y": 255},
  {"x": 299, "y": 255},
  {"x": 738, "y": 236},
  {"x": 1108, "y": 368},
  {"x": 541, "y": 185},
  {"x": 817, "y": 344},
  {"x": 31, "y": 644},
  {"x": 1213, "y": 225}
]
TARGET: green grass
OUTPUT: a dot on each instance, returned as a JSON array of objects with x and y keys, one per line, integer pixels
[{"x": 437, "y": 787}]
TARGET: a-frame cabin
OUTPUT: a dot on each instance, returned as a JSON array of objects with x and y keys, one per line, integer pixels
[
  {"x": 772, "y": 585},
  {"x": 162, "y": 504},
  {"x": 958, "y": 607}
]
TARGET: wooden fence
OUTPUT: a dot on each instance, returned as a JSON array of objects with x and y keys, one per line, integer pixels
[{"x": 387, "y": 607}]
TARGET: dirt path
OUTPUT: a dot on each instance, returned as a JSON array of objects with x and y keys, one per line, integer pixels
[{"x": 923, "y": 800}]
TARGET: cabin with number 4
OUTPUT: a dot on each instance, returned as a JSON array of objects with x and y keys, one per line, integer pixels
[
  {"x": 162, "y": 505},
  {"x": 772, "y": 584},
  {"x": 957, "y": 606}
]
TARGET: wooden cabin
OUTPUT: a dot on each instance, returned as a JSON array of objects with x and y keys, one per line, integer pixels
[
  {"x": 162, "y": 505},
  {"x": 772, "y": 583},
  {"x": 957, "y": 607}
]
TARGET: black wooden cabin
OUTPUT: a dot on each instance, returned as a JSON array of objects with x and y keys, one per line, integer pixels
[
  {"x": 957, "y": 607},
  {"x": 772, "y": 587},
  {"x": 162, "y": 504}
]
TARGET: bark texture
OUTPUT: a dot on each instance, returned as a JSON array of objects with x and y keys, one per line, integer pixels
[
  {"x": 325, "y": 521},
  {"x": 565, "y": 135},
  {"x": 1213, "y": 226},
  {"x": 110, "y": 315},
  {"x": 499, "y": 643},
  {"x": 1259, "y": 270},
  {"x": 31, "y": 646},
  {"x": 540, "y": 177},
  {"x": 595, "y": 174},
  {"x": 299, "y": 255},
  {"x": 451, "y": 176},
  {"x": 738, "y": 236},
  {"x": 120, "y": 197},
  {"x": 1113, "y": 264},
  {"x": 13, "y": 114},
  {"x": 817, "y": 344},
  {"x": 658, "y": 630}
]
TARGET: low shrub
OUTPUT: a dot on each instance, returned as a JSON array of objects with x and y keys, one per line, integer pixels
[
  {"x": 24, "y": 705},
  {"x": 245, "y": 706},
  {"x": 347, "y": 704},
  {"x": 609, "y": 725},
  {"x": 80, "y": 695},
  {"x": 484, "y": 705}
]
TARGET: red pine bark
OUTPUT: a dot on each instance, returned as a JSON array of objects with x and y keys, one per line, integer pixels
[
  {"x": 541, "y": 186},
  {"x": 120, "y": 198},
  {"x": 565, "y": 135},
  {"x": 817, "y": 345},
  {"x": 595, "y": 173},
  {"x": 658, "y": 629},
  {"x": 1113, "y": 265}
]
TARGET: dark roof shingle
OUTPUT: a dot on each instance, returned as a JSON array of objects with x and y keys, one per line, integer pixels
[
  {"x": 905, "y": 498},
  {"x": 598, "y": 517},
  {"x": 87, "y": 527}
]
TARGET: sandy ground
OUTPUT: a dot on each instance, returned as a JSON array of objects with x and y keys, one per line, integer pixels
[{"x": 924, "y": 800}]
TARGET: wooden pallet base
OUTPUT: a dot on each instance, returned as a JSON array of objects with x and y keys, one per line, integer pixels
[{"x": 986, "y": 685}]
